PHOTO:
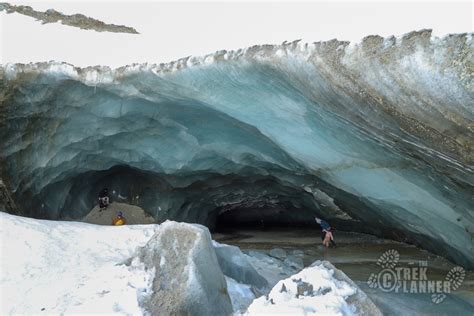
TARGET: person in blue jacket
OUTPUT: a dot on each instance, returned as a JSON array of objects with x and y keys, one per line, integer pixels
[{"x": 326, "y": 232}]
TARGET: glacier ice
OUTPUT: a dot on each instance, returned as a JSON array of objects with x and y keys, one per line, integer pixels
[
  {"x": 236, "y": 266},
  {"x": 375, "y": 137},
  {"x": 187, "y": 275}
]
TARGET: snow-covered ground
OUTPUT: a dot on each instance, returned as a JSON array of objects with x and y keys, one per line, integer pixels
[
  {"x": 314, "y": 290},
  {"x": 68, "y": 267}
]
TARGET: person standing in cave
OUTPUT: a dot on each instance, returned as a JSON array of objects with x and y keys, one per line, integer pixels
[
  {"x": 104, "y": 200},
  {"x": 326, "y": 232}
]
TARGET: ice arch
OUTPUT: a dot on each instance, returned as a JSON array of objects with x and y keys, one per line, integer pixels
[{"x": 376, "y": 137}]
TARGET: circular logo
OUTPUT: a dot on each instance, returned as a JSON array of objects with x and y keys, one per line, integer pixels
[{"x": 387, "y": 280}]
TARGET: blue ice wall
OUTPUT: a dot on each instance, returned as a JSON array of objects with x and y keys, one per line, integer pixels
[{"x": 376, "y": 137}]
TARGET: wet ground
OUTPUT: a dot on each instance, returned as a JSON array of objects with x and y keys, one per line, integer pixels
[{"x": 357, "y": 256}]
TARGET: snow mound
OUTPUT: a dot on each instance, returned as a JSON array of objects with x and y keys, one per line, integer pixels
[
  {"x": 72, "y": 268},
  {"x": 68, "y": 267},
  {"x": 315, "y": 290}
]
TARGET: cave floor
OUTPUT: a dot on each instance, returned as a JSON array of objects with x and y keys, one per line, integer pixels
[
  {"x": 357, "y": 254},
  {"x": 133, "y": 214}
]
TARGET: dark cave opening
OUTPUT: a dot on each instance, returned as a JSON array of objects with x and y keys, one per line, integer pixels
[
  {"x": 215, "y": 200},
  {"x": 74, "y": 196},
  {"x": 222, "y": 202},
  {"x": 266, "y": 217}
]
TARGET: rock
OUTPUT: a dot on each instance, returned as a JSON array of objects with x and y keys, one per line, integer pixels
[
  {"x": 298, "y": 253},
  {"x": 188, "y": 280},
  {"x": 234, "y": 264},
  {"x": 272, "y": 269},
  {"x": 259, "y": 255},
  {"x": 294, "y": 262},
  {"x": 76, "y": 20},
  {"x": 304, "y": 288},
  {"x": 278, "y": 253},
  {"x": 6, "y": 201}
]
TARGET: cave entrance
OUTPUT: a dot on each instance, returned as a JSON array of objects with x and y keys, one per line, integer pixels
[
  {"x": 267, "y": 217},
  {"x": 125, "y": 184}
]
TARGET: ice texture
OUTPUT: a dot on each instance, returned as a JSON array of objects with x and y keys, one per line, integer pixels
[
  {"x": 374, "y": 137},
  {"x": 188, "y": 279},
  {"x": 235, "y": 265}
]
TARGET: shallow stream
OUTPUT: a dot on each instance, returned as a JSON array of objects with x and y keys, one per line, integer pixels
[{"x": 357, "y": 256}]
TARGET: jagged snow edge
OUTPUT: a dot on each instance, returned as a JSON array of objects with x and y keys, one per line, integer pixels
[{"x": 93, "y": 75}]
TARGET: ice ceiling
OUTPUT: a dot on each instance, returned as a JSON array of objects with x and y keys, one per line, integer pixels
[{"x": 376, "y": 137}]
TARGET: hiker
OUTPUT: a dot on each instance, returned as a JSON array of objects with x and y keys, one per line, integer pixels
[
  {"x": 104, "y": 200},
  {"x": 119, "y": 220},
  {"x": 326, "y": 232}
]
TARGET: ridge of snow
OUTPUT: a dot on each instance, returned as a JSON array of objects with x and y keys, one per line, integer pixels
[
  {"x": 296, "y": 49},
  {"x": 71, "y": 267}
]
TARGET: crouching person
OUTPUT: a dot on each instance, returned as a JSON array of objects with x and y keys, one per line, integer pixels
[{"x": 119, "y": 220}]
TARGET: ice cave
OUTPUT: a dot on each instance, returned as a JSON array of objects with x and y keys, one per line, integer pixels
[{"x": 376, "y": 137}]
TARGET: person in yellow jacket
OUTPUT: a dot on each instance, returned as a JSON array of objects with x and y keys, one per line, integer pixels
[{"x": 119, "y": 220}]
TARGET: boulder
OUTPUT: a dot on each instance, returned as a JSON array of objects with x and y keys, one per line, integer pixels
[
  {"x": 272, "y": 269},
  {"x": 294, "y": 262},
  {"x": 298, "y": 253},
  {"x": 188, "y": 280},
  {"x": 235, "y": 265},
  {"x": 278, "y": 253}
]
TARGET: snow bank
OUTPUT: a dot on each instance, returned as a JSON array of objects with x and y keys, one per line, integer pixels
[
  {"x": 317, "y": 289},
  {"x": 70, "y": 267},
  {"x": 67, "y": 267}
]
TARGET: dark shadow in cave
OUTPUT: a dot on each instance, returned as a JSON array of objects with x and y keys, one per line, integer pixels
[
  {"x": 126, "y": 184},
  {"x": 236, "y": 200},
  {"x": 266, "y": 217}
]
